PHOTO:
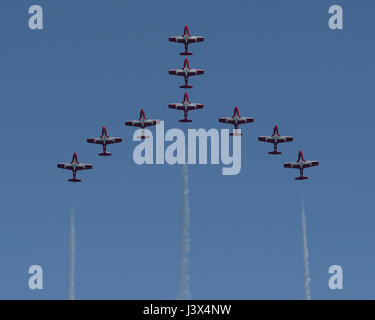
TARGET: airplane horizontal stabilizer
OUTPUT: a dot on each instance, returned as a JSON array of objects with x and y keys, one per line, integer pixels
[{"x": 302, "y": 178}]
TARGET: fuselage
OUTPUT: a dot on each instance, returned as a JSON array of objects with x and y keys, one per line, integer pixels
[
  {"x": 74, "y": 164},
  {"x": 142, "y": 121},
  {"x": 236, "y": 118},
  {"x": 104, "y": 139},
  {"x": 301, "y": 163},
  {"x": 186, "y": 38},
  {"x": 275, "y": 137},
  {"x": 186, "y": 104}
]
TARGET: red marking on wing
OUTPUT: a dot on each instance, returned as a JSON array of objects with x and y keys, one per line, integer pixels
[
  {"x": 62, "y": 166},
  {"x": 265, "y": 139},
  {"x": 291, "y": 165},
  {"x": 197, "y": 106},
  {"x": 311, "y": 164},
  {"x": 176, "y": 39},
  {"x": 84, "y": 167},
  {"x": 92, "y": 140}
]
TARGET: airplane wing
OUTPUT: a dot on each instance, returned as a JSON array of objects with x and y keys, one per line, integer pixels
[
  {"x": 178, "y": 39},
  {"x": 230, "y": 120},
  {"x": 95, "y": 140},
  {"x": 191, "y": 106},
  {"x": 245, "y": 120},
  {"x": 266, "y": 139},
  {"x": 193, "y": 39},
  {"x": 113, "y": 140},
  {"x": 227, "y": 120},
  {"x": 151, "y": 122},
  {"x": 176, "y": 106},
  {"x": 284, "y": 139},
  {"x": 195, "y": 72},
  {"x": 84, "y": 166},
  {"x": 133, "y": 123},
  {"x": 195, "y": 106},
  {"x": 292, "y": 165},
  {"x": 67, "y": 166},
  {"x": 177, "y": 72},
  {"x": 308, "y": 164}
]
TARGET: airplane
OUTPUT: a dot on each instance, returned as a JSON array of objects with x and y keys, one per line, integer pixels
[
  {"x": 275, "y": 139},
  {"x": 186, "y": 72},
  {"x": 301, "y": 164},
  {"x": 186, "y": 38},
  {"x": 142, "y": 122},
  {"x": 236, "y": 120},
  {"x": 104, "y": 140},
  {"x": 74, "y": 166},
  {"x": 186, "y": 106}
]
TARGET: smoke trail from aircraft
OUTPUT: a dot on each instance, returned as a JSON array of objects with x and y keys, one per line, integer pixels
[
  {"x": 184, "y": 293},
  {"x": 72, "y": 241},
  {"x": 305, "y": 253}
]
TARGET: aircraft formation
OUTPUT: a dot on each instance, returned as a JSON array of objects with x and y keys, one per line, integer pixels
[{"x": 186, "y": 106}]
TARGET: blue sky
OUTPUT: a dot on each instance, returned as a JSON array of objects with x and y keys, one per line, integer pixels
[{"x": 97, "y": 64}]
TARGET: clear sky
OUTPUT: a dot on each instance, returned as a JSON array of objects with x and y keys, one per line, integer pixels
[{"x": 98, "y": 62}]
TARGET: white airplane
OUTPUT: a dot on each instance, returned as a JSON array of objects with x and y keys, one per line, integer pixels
[
  {"x": 186, "y": 39},
  {"x": 186, "y": 106},
  {"x": 301, "y": 164},
  {"x": 142, "y": 122},
  {"x": 104, "y": 140},
  {"x": 74, "y": 166},
  {"x": 275, "y": 139},
  {"x": 186, "y": 72},
  {"x": 236, "y": 120}
]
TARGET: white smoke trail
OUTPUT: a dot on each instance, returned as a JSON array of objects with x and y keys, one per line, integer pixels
[
  {"x": 72, "y": 239},
  {"x": 305, "y": 253},
  {"x": 184, "y": 293}
]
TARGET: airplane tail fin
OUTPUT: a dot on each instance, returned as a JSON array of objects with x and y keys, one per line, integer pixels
[
  {"x": 186, "y": 97},
  {"x": 74, "y": 180},
  {"x": 142, "y": 114},
  {"x": 75, "y": 157},
  {"x": 104, "y": 132},
  {"x": 186, "y": 63},
  {"x": 186, "y": 30},
  {"x": 300, "y": 156},
  {"x": 276, "y": 130},
  {"x": 105, "y": 154},
  {"x": 236, "y": 112}
]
